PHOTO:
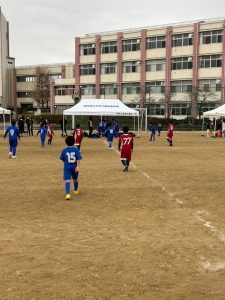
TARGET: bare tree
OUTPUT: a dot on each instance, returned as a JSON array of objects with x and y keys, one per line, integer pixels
[
  {"x": 41, "y": 93},
  {"x": 201, "y": 96}
]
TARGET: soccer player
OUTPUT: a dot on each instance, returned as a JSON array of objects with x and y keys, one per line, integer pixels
[
  {"x": 50, "y": 134},
  {"x": 14, "y": 135},
  {"x": 71, "y": 158},
  {"x": 43, "y": 133},
  {"x": 169, "y": 136},
  {"x": 78, "y": 136},
  {"x": 125, "y": 145},
  {"x": 110, "y": 134}
]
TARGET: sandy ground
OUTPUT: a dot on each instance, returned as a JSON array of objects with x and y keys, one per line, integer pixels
[{"x": 155, "y": 232}]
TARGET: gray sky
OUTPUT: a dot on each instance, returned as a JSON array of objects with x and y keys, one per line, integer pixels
[{"x": 43, "y": 32}]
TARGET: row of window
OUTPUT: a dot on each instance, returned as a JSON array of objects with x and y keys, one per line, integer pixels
[
  {"x": 178, "y": 40},
  {"x": 155, "y": 65},
  {"x": 31, "y": 78},
  {"x": 153, "y": 87}
]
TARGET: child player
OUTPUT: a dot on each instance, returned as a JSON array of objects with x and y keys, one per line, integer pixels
[
  {"x": 169, "y": 136},
  {"x": 78, "y": 136},
  {"x": 43, "y": 133},
  {"x": 14, "y": 135},
  {"x": 71, "y": 157},
  {"x": 50, "y": 134},
  {"x": 125, "y": 145},
  {"x": 110, "y": 134}
]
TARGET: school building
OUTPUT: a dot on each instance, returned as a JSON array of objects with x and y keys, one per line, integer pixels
[
  {"x": 173, "y": 70},
  {"x": 7, "y": 63}
]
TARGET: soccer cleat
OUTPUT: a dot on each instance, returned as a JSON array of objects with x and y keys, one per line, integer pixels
[
  {"x": 75, "y": 192},
  {"x": 13, "y": 156},
  {"x": 10, "y": 154},
  {"x": 68, "y": 197}
]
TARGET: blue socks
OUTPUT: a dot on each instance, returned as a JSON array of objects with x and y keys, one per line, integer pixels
[{"x": 67, "y": 187}]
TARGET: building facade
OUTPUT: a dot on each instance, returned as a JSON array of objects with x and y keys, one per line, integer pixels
[
  {"x": 174, "y": 71},
  {"x": 7, "y": 63}
]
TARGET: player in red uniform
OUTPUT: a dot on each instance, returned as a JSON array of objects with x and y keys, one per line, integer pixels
[
  {"x": 78, "y": 136},
  {"x": 169, "y": 136},
  {"x": 125, "y": 146},
  {"x": 50, "y": 134}
]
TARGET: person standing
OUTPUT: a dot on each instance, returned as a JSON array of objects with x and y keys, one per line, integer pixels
[
  {"x": 110, "y": 134},
  {"x": 152, "y": 132},
  {"x": 71, "y": 157},
  {"x": 50, "y": 134},
  {"x": 125, "y": 146},
  {"x": 28, "y": 125},
  {"x": 90, "y": 126},
  {"x": 78, "y": 136},
  {"x": 169, "y": 136},
  {"x": 14, "y": 135},
  {"x": 43, "y": 133},
  {"x": 21, "y": 125}
]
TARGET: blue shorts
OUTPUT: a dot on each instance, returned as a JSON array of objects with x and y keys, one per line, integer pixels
[
  {"x": 70, "y": 174},
  {"x": 110, "y": 138}
]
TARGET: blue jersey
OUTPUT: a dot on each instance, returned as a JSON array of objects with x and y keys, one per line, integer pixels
[
  {"x": 69, "y": 156},
  {"x": 43, "y": 132},
  {"x": 13, "y": 132},
  {"x": 110, "y": 133}
]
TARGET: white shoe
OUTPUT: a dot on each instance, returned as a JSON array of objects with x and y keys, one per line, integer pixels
[
  {"x": 14, "y": 156},
  {"x": 10, "y": 154}
]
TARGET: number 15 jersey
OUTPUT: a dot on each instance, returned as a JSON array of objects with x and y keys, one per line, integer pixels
[{"x": 69, "y": 156}]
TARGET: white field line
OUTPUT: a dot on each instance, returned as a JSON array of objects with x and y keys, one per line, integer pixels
[
  {"x": 198, "y": 215},
  {"x": 155, "y": 182}
]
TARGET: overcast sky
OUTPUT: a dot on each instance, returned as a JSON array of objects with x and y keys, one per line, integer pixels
[{"x": 43, "y": 31}]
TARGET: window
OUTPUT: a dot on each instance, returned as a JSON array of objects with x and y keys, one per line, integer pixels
[
  {"x": 55, "y": 76},
  {"x": 87, "y": 49},
  {"x": 213, "y": 36},
  {"x": 108, "y": 68},
  {"x": 210, "y": 85},
  {"x": 181, "y": 63},
  {"x": 88, "y": 89},
  {"x": 181, "y": 86},
  {"x": 210, "y": 61},
  {"x": 131, "y": 67},
  {"x": 206, "y": 106},
  {"x": 109, "y": 47},
  {"x": 155, "y": 87},
  {"x": 87, "y": 70},
  {"x": 182, "y": 39},
  {"x": 108, "y": 89},
  {"x": 25, "y": 78},
  {"x": 24, "y": 94},
  {"x": 156, "y": 42},
  {"x": 131, "y": 88},
  {"x": 131, "y": 45},
  {"x": 155, "y": 65},
  {"x": 63, "y": 90},
  {"x": 156, "y": 109},
  {"x": 180, "y": 109}
]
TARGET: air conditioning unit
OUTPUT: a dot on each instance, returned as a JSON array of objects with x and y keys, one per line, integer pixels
[
  {"x": 162, "y": 83},
  {"x": 190, "y": 58},
  {"x": 190, "y": 35},
  {"x": 138, "y": 40},
  {"x": 93, "y": 45},
  {"x": 218, "y": 81},
  {"x": 93, "y": 66}
]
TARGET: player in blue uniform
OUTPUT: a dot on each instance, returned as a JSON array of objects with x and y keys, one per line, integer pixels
[
  {"x": 43, "y": 133},
  {"x": 14, "y": 135},
  {"x": 110, "y": 134},
  {"x": 71, "y": 158}
]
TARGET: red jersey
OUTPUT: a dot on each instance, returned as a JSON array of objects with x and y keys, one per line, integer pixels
[
  {"x": 170, "y": 131},
  {"x": 78, "y": 136},
  {"x": 126, "y": 145},
  {"x": 50, "y": 132}
]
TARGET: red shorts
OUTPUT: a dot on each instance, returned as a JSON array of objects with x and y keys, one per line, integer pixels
[
  {"x": 125, "y": 155},
  {"x": 170, "y": 135}
]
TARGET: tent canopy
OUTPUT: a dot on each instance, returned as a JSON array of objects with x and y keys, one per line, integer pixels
[
  {"x": 5, "y": 111},
  {"x": 101, "y": 107},
  {"x": 216, "y": 112}
]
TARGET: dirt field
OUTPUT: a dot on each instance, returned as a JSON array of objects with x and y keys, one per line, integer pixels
[{"x": 155, "y": 232}]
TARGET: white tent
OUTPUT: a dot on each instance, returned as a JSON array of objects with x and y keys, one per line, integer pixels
[
  {"x": 101, "y": 107},
  {"x": 4, "y": 112},
  {"x": 214, "y": 113}
]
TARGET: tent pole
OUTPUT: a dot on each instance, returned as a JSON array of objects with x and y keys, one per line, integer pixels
[
  {"x": 202, "y": 126},
  {"x": 4, "y": 121},
  {"x": 134, "y": 123},
  {"x": 214, "y": 135},
  {"x": 63, "y": 124},
  {"x": 146, "y": 119},
  {"x": 73, "y": 121},
  {"x": 138, "y": 127}
]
